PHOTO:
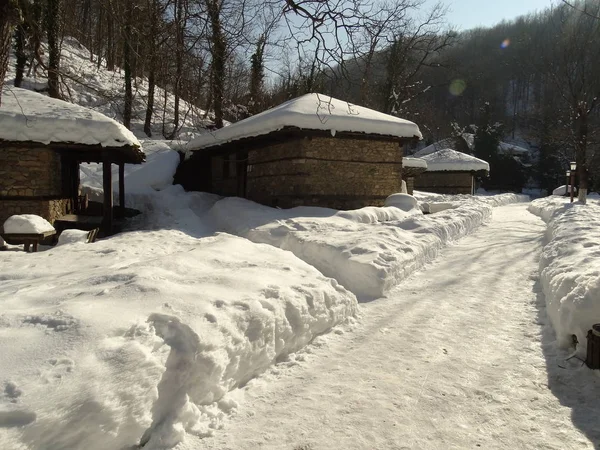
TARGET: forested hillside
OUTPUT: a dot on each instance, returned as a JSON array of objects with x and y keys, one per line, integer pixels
[{"x": 537, "y": 78}]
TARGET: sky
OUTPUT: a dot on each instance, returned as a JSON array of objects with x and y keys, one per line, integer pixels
[{"x": 466, "y": 14}]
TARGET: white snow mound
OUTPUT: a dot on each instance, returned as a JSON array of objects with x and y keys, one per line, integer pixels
[
  {"x": 140, "y": 337},
  {"x": 155, "y": 174},
  {"x": 563, "y": 190},
  {"x": 27, "y": 224},
  {"x": 405, "y": 202},
  {"x": 570, "y": 267},
  {"x": 369, "y": 250},
  {"x": 73, "y": 237}
]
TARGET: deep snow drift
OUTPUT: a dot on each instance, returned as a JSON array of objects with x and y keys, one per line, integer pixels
[
  {"x": 143, "y": 334},
  {"x": 368, "y": 250},
  {"x": 570, "y": 266}
]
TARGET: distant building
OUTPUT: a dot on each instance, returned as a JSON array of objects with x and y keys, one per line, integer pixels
[
  {"x": 312, "y": 150},
  {"x": 411, "y": 169},
  {"x": 42, "y": 143},
  {"x": 450, "y": 172}
]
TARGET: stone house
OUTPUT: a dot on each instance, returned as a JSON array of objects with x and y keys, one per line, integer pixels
[
  {"x": 314, "y": 150},
  {"x": 451, "y": 172},
  {"x": 411, "y": 169},
  {"x": 42, "y": 143}
]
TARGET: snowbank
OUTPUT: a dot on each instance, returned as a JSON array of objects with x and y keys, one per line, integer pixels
[
  {"x": 29, "y": 116},
  {"x": 311, "y": 112},
  {"x": 570, "y": 266},
  {"x": 563, "y": 190},
  {"x": 144, "y": 334},
  {"x": 73, "y": 237},
  {"x": 369, "y": 250},
  {"x": 27, "y": 224},
  {"x": 155, "y": 174}
]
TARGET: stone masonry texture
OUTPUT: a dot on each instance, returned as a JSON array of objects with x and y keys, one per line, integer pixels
[{"x": 341, "y": 173}]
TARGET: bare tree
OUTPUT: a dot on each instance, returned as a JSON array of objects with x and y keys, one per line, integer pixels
[
  {"x": 9, "y": 17},
  {"x": 53, "y": 23}
]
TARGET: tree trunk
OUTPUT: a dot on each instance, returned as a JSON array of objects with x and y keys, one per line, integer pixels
[
  {"x": 9, "y": 14},
  {"x": 150, "y": 106},
  {"x": 20, "y": 54},
  {"x": 581, "y": 149},
  {"x": 53, "y": 15},
  {"x": 127, "y": 65},
  {"x": 178, "y": 65},
  {"x": 219, "y": 48},
  {"x": 110, "y": 42}
]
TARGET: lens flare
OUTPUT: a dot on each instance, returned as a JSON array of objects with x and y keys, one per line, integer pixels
[
  {"x": 505, "y": 43},
  {"x": 457, "y": 87}
]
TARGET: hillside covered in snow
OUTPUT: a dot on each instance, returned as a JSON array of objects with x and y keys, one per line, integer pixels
[{"x": 86, "y": 84}]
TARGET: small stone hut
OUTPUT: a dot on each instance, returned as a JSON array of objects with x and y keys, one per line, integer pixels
[
  {"x": 412, "y": 168},
  {"x": 313, "y": 150},
  {"x": 43, "y": 141},
  {"x": 450, "y": 172}
]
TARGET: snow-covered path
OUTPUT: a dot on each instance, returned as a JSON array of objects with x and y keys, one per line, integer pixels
[{"x": 458, "y": 357}]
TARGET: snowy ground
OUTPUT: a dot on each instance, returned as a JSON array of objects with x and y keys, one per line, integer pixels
[
  {"x": 460, "y": 355},
  {"x": 570, "y": 266},
  {"x": 144, "y": 334},
  {"x": 369, "y": 250}
]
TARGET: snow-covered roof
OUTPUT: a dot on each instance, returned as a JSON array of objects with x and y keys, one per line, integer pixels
[
  {"x": 407, "y": 161},
  {"x": 513, "y": 149},
  {"x": 311, "y": 112},
  {"x": 26, "y": 116},
  {"x": 469, "y": 139},
  {"x": 448, "y": 160}
]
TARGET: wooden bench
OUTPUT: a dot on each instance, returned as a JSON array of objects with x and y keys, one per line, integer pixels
[
  {"x": 78, "y": 221},
  {"x": 27, "y": 239}
]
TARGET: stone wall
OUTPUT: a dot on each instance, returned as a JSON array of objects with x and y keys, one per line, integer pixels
[
  {"x": 29, "y": 172},
  {"x": 31, "y": 183},
  {"x": 48, "y": 209},
  {"x": 445, "y": 182},
  {"x": 341, "y": 173}
]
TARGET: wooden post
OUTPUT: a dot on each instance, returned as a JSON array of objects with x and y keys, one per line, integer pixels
[
  {"x": 122, "y": 188},
  {"x": 75, "y": 186},
  {"x": 572, "y": 184},
  {"x": 108, "y": 194}
]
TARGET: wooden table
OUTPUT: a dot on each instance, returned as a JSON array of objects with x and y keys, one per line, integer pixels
[{"x": 27, "y": 239}]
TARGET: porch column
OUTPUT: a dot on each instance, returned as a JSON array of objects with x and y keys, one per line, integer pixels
[
  {"x": 108, "y": 194},
  {"x": 122, "y": 188}
]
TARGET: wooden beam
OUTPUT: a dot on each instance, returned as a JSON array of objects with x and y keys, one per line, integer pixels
[
  {"x": 108, "y": 195},
  {"x": 122, "y": 188}
]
